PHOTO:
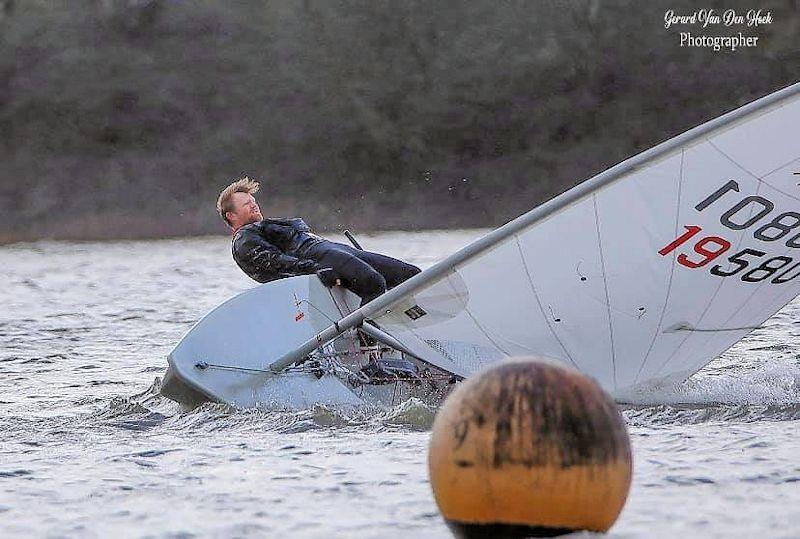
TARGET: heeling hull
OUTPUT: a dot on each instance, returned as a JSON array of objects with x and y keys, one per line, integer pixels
[
  {"x": 304, "y": 390},
  {"x": 177, "y": 389},
  {"x": 225, "y": 356},
  {"x": 294, "y": 391}
]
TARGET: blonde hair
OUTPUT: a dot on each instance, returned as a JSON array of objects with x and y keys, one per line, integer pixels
[{"x": 244, "y": 185}]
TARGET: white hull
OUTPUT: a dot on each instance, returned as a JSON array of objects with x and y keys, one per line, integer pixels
[{"x": 225, "y": 357}]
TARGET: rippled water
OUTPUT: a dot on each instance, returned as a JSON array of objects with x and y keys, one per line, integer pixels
[{"x": 90, "y": 449}]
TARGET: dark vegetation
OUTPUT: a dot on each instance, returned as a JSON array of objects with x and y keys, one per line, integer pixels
[{"x": 124, "y": 118}]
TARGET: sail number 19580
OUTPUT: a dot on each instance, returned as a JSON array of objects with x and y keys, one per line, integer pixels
[{"x": 779, "y": 269}]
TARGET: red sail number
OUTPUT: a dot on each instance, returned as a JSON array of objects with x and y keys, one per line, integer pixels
[{"x": 709, "y": 247}]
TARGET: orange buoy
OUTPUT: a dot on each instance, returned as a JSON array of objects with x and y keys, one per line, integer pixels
[{"x": 529, "y": 448}]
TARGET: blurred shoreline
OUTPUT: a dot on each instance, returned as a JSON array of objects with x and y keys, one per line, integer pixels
[
  {"x": 126, "y": 227},
  {"x": 332, "y": 234},
  {"x": 125, "y": 118}
]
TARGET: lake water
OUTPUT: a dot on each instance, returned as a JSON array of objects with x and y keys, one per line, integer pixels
[{"x": 89, "y": 449}]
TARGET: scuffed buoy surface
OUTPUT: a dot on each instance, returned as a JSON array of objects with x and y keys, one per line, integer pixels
[{"x": 529, "y": 448}]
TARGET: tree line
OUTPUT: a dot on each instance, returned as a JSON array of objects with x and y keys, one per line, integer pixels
[{"x": 124, "y": 118}]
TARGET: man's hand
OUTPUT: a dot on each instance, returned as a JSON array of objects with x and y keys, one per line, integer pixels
[
  {"x": 307, "y": 266},
  {"x": 329, "y": 277}
]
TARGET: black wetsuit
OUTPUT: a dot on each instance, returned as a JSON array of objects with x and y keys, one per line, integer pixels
[{"x": 277, "y": 248}]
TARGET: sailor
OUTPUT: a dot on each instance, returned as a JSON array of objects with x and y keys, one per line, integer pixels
[{"x": 269, "y": 249}]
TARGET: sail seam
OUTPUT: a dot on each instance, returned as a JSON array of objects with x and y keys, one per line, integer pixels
[
  {"x": 485, "y": 332},
  {"x": 760, "y": 179},
  {"x": 776, "y": 169},
  {"x": 671, "y": 274},
  {"x": 605, "y": 286},
  {"x": 761, "y": 318},
  {"x": 474, "y": 320},
  {"x": 786, "y": 252},
  {"x": 741, "y": 238},
  {"x": 753, "y": 294},
  {"x": 539, "y": 301},
  {"x": 710, "y": 301},
  {"x": 729, "y": 158}
]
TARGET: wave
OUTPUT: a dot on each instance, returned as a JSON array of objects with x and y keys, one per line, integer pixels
[
  {"x": 148, "y": 409},
  {"x": 769, "y": 385},
  {"x": 767, "y": 393}
]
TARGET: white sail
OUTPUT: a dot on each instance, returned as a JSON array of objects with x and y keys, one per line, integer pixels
[
  {"x": 638, "y": 276},
  {"x": 646, "y": 273}
]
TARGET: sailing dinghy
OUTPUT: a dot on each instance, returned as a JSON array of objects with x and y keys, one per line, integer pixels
[{"x": 638, "y": 277}]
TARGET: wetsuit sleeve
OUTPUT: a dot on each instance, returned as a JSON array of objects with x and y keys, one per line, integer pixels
[
  {"x": 259, "y": 253},
  {"x": 299, "y": 224}
]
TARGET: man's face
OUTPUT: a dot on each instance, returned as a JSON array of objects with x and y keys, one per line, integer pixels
[{"x": 245, "y": 210}]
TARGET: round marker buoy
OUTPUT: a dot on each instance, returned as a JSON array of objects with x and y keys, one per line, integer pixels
[{"x": 529, "y": 448}]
